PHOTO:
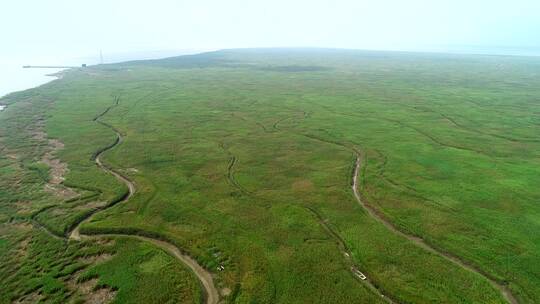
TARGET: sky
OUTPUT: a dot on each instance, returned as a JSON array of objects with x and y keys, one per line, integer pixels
[{"x": 53, "y": 31}]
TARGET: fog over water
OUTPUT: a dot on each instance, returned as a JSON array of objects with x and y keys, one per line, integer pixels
[{"x": 13, "y": 77}]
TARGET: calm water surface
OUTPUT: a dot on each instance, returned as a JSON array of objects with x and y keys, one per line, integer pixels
[{"x": 14, "y": 78}]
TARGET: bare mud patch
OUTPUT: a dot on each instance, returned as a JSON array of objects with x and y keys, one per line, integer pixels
[
  {"x": 131, "y": 170},
  {"x": 105, "y": 242},
  {"x": 91, "y": 205},
  {"x": 89, "y": 290},
  {"x": 57, "y": 168},
  {"x": 22, "y": 248},
  {"x": 95, "y": 259},
  {"x": 33, "y": 297},
  {"x": 102, "y": 295},
  {"x": 225, "y": 291},
  {"x": 12, "y": 156},
  {"x": 86, "y": 287}
]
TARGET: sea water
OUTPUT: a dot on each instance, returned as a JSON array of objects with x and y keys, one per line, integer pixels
[{"x": 14, "y": 78}]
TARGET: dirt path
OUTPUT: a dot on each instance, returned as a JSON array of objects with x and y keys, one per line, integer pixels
[
  {"x": 211, "y": 294},
  {"x": 204, "y": 276},
  {"x": 507, "y": 294},
  {"x": 353, "y": 268}
]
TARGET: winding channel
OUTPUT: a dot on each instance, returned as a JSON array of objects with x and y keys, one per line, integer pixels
[
  {"x": 375, "y": 214},
  {"x": 205, "y": 277}
]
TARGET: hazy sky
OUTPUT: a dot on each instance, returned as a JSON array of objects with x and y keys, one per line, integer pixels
[{"x": 58, "y": 28}]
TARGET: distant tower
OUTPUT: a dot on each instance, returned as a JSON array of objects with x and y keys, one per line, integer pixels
[{"x": 100, "y": 57}]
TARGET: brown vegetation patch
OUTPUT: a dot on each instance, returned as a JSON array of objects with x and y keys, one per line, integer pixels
[
  {"x": 58, "y": 211},
  {"x": 303, "y": 185},
  {"x": 22, "y": 248},
  {"x": 24, "y": 207},
  {"x": 8, "y": 227},
  {"x": 22, "y": 226},
  {"x": 23, "y": 245},
  {"x": 95, "y": 204}
]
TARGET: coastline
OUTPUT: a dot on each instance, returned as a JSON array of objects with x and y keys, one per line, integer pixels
[{"x": 32, "y": 83}]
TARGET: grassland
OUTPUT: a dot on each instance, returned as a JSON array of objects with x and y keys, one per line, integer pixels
[{"x": 244, "y": 160}]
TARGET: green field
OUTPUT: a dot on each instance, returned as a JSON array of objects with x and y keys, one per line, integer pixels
[{"x": 244, "y": 159}]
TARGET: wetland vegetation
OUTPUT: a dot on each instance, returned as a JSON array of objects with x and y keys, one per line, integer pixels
[{"x": 243, "y": 161}]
